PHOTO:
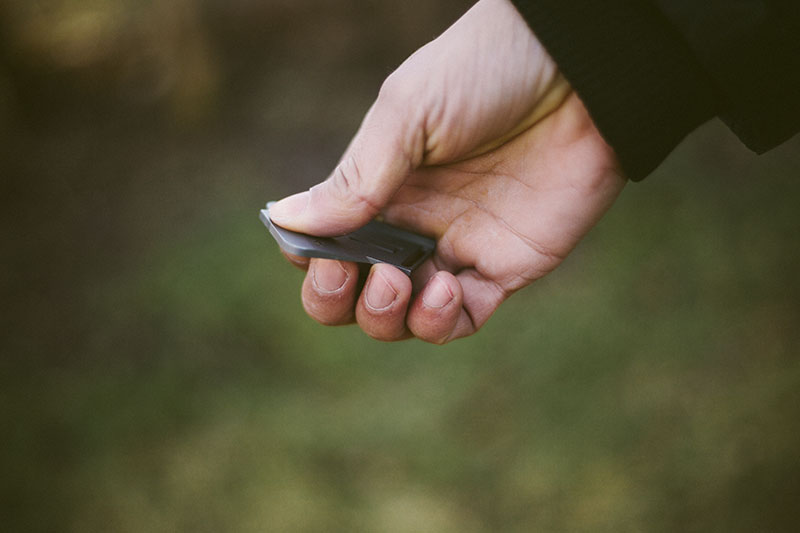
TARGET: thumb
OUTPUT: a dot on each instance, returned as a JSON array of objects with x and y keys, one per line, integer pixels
[{"x": 388, "y": 146}]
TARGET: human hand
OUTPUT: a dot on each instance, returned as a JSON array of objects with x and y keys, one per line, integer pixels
[{"x": 477, "y": 141}]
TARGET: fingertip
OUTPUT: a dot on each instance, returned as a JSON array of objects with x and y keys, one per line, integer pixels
[
  {"x": 435, "y": 312},
  {"x": 439, "y": 292},
  {"x": 320, "y": 211},
  {"x": 384, "y": 286},
  {"x": 284, "y": 211},
  {"x": 381, "y": 309},
  {"x": 329, "y": 291},
  {"x": 296, "y": 260}
]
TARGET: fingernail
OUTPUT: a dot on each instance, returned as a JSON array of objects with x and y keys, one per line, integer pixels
[
  {"x": 437, "y": 294},
  {"x": 290, "y": 207},
  {"x": 380, "y": 294},
  {"x": 330, "y": 278}
]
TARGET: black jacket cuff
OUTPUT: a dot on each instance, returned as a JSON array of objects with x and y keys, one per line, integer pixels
[{"x": 636, "y": 75}]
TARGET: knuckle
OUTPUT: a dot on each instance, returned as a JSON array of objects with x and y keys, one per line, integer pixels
[
  {"x": 401, "y": 94},
  {"x": 392, "y": 88},
  {"x": 348, "y": 185}
]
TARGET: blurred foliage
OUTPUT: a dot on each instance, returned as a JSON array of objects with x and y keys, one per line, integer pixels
[{"x": 158, "y": 373}]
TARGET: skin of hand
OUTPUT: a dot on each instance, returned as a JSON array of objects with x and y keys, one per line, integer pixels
[{"x": 477, "y": 141}]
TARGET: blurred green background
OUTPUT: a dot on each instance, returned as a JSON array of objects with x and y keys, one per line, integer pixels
[{"x": 159, "y": 374}]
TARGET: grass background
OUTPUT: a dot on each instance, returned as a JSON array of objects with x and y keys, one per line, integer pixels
[{"x": 158, "y": 372}]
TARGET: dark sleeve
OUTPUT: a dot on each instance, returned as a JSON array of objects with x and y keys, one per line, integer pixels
[{"x": 651, "y": 71}]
